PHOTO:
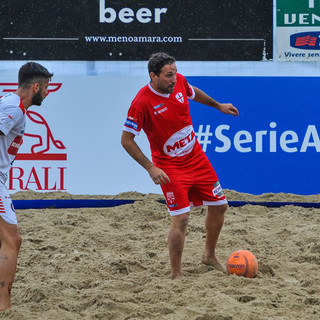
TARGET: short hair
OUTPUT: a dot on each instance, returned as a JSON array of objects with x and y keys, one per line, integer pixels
[
  {"x": 31, "y": 72},
  {"x": 158, "y": 60}
]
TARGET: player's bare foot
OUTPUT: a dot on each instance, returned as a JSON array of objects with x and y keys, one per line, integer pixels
[
  {"x": 214, "y": 262},
  {"x": 3, "y": 309},
  {"x": 176, "y": 276}
]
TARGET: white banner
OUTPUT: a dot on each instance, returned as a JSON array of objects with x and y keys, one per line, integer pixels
[
  {"x": 72, "y": 141},
  {"x": 298, "y": 30},
  {"x": 293, "y": 41}
]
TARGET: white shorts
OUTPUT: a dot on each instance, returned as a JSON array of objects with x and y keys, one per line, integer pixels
[{"x": 7, "y": 212}]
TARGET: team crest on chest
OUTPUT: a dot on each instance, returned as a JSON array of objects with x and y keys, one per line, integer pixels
[{"x": 179, "y": 97}]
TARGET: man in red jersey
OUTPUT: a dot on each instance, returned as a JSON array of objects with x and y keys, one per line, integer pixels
[
  {"x": 178, "y": 164},
  {"x": 33, "y": 83}
]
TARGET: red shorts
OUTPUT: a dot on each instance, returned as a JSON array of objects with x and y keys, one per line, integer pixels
[{"x": 197, "y": 185}]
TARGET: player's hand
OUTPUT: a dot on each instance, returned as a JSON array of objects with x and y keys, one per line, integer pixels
[
  {"x": 158, "y": 176},
  {"x": 228, "y": 108}
]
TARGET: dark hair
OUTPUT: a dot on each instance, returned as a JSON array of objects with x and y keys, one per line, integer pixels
[
  {"x": 32, "y": 72},
  {"x": 158, "y": 60}
]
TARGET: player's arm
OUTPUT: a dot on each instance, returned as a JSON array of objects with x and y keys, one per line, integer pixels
[
  {"x": 203, "y": 98},
  {"x": 157, "y": 175}
]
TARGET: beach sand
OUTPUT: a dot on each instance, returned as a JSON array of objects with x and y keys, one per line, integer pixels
[{"x": 113, "y": 263}]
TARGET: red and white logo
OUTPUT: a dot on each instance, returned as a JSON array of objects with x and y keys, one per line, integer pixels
[
  {"x": 15, "y": 145},
  {"x": 180, "y": 143},
  {"x": 170, "y": 197},
  {"x": 179, "y": 97},
  {"x": 39, "y": 149},
  {"x": 42, "y": 143}
]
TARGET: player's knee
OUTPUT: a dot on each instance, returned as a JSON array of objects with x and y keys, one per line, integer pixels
[
  {"x": 183, "y": 221},
  {"x": 224, "y": 208},
  {"x": 13, "y": 241},
  {"x": 218, "y": 209}
]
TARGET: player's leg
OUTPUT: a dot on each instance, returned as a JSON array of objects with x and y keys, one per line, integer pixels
[
  {"x": 214, "y": 223},
  {"x": 208, "y": 192},
  {"x": 176, "y": 237},
  {"x": 10, "y": 244},
  {"x": 178, "y": 204}
]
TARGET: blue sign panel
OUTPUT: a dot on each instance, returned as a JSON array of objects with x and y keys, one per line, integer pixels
[{"x": 274, "y": 145}]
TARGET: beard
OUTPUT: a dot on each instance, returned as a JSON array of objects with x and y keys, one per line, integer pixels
[
  {"x": 37, "y": 99},
  {"x": 168, "y": 89}
]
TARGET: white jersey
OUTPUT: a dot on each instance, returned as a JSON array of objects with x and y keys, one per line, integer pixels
[{"x": 12, "y": 125}]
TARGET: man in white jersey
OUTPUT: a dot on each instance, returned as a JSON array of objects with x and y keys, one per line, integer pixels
[
  {"x": 178, "y": 164},
  {"x": 33, "y": 81}
]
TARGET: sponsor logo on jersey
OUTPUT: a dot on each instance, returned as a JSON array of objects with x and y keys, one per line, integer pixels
[
  {"x": 132, "y": 118},
  {"x": 180, "y": 143},
  {"x": 179, "y": 97},
  {"x": 15, "y": 145},
  {"x": 158, "y": 106},
  {"x": 161, "y": 110},
  {"x": 157, "y": 110},
  {"x": 305, "y": 40},
  {"x": 131, "y": 124}
]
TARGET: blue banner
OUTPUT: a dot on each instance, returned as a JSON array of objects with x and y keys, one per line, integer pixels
[{"x": 274, "y": 145}]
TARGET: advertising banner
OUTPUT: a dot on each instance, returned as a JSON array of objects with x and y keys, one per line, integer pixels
[
  {"x": 126, "y": 30},
  {"x": 298, "y": 30},
  {"x": 43, "y": 155},
  {"x": 72, "y": 142},
  {"x": 274, "y": 144}
]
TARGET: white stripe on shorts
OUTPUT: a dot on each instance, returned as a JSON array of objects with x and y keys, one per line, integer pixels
[
  {"x": 204, "y": 203},
  {"x": 215, "y": 203},
  {"x": 180, "y": 211}
]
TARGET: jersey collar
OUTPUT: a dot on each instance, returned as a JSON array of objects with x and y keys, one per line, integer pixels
[
  {"x": 21, "y": 106},
  {"x": 164, "y": 95}
]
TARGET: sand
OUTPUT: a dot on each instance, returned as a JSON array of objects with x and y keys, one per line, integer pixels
[{"x": 113, "y": 263}]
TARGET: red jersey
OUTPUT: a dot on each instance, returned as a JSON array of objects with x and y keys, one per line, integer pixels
[{"x": 166, "y": 120}]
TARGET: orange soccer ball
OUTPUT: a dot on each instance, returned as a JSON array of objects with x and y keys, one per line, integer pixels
[{"x": 242, "y": 263}]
